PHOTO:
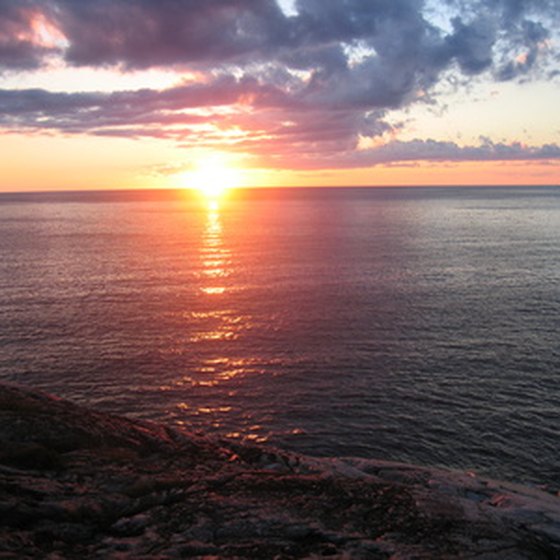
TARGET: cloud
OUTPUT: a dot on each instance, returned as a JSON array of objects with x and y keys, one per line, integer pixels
[
  {"x": 438, "y": 151},
  {"x": 299, "y": 89},
  {"x": 24, "y": 43},
  {"x": 400, "y": 152},
  {"x": 90, "y": 112},
  {"x": 143, "y": 33},
  {"x": 275, "y": 129},
  {"x": 214, "y": 33}
]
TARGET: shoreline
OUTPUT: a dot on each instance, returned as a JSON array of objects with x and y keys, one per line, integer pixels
[{"x": 79, "y": 483}]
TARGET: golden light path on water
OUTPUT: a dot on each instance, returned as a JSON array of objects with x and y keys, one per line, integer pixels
[{"x": 218, "y": 321}]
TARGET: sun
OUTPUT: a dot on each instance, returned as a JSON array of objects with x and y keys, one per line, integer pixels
[{"x": 212, "y": 176}]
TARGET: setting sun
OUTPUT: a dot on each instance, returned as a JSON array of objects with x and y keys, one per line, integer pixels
[{"x": 212, "y": 176}]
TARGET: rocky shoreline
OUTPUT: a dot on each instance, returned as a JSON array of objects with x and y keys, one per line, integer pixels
[{"x": 76, "y": 483}]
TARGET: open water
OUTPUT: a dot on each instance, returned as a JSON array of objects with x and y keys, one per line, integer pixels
[{"x": 411, "y": 324}]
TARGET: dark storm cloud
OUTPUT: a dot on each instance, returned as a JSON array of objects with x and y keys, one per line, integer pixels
[{"x": 314, "y": 82}]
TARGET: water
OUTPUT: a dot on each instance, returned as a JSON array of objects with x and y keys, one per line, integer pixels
[{"x": 418, "y": 325}]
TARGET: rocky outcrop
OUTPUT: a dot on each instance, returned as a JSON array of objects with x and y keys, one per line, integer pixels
[{"x": 75, "y": 483}]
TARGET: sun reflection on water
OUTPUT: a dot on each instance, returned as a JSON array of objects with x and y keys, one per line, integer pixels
[
  {"x": 213, "y": 290},
  {"x": 216, "y": 320},
  {"x": 215, "y": 257}
]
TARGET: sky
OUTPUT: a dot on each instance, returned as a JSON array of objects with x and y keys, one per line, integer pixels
[{"x": 172, "y": 93}]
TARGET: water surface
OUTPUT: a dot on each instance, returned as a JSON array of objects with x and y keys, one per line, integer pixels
[{"x": 407, "y": 324}]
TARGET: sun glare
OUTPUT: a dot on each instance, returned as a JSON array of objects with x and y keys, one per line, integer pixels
[{"x": 212, "y": 176}]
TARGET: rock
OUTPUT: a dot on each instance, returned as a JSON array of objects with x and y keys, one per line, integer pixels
[
  {"x": 131, "y": 526},
  {"x": 75, "y": 483},
  {"x": 29, "y": 456}
]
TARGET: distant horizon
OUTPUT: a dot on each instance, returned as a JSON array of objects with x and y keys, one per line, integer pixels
[{"x": 194, "y": 190}]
